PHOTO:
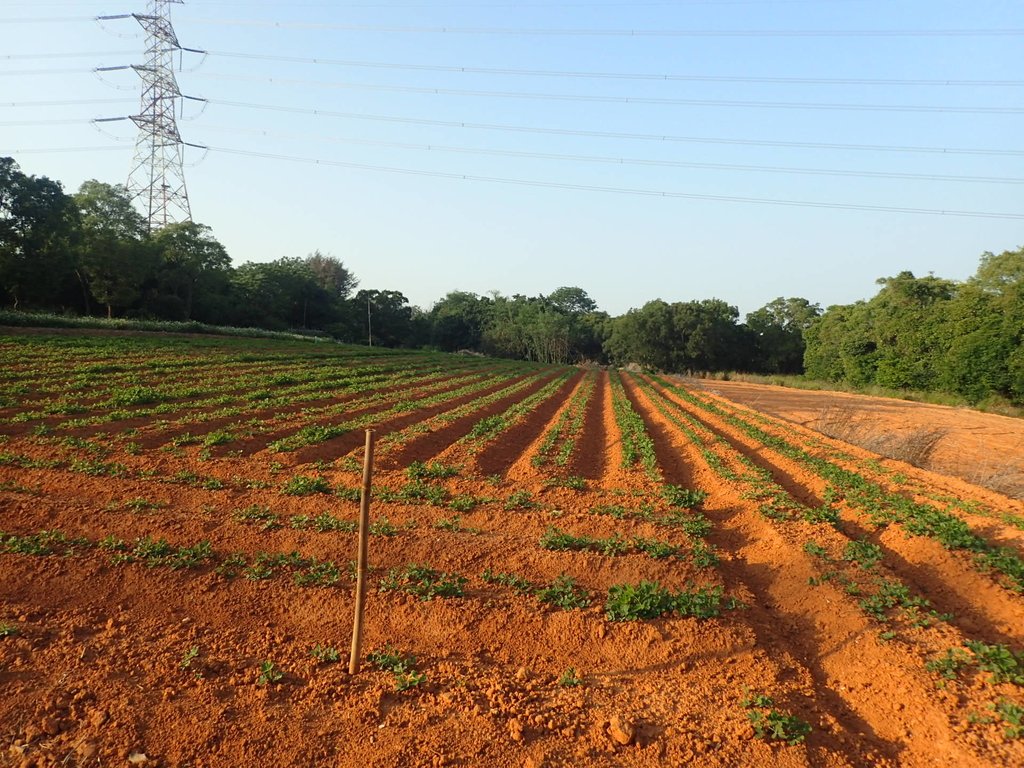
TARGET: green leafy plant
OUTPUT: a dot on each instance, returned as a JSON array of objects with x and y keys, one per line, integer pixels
[
  {"x": 303, "y": 485},
  {"x": 435, "y": 470},
  {"x": 401, "y": 667},
  {"x": 650, "y": 600},
  {"x": 564, "y": 593},
  {"x": 269, "y": 673},
  {"x": 424, "y": 582},
  {"x": 949, "y": 664},
  {"x": 257, "y": 515},
  {"x": 570, "y": 678},
  {"x": 518, "y": 583},
  {"x": 864, "y": 553},
  {"x": 189, "y": 656},
  {"x": 778, "y": 726},
  {"x": 1013, "y": 715},
  {"x": 678, "y": 496},
  {"x": 322, "y": 574},
  {"x": 8, "y": 630},
  {"x": 325, "y": 654},
  {"x": 1004, "y": 664},
  {"x": 520, "y": 500}
]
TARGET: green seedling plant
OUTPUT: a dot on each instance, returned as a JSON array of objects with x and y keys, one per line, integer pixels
[
  {"x": 8, "y": 630},
  {"x": 325, "y": 654},
  {"x": 403, "y": 668},
  {"x": 1013, "y": 715},
  {"x": 269, "y": 673},
  {"x": 257, "y": 515},
  {"x": 424, "y": 582},
  {"x": 303, "y": 485},
  {"x": 1002, "y": 663},
  {"x": 570, "y": 678},
  {"x": 773, "y": 725},
  {"x": 948, "y": 665},
  {"x": 519, "y": 584},
  {"x": 564, "y": 593},
  {"x": 686, "y": 498},
  {"x": 650, "y": 600},
  {"x": 864, "y": 553},
  {"x": 188, "y": 657}
]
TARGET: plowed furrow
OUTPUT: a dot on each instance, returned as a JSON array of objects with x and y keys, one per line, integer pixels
[
  {"x": 828, "y": 635},
  {"x": 430, "y": 444},
  {"x": 500, "y": 454},
  {"x": 589, "y": 459},
  {"x": 980, "y": 608}
]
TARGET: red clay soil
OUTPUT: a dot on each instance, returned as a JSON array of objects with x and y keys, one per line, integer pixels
[{"x": 107, "y": 660}]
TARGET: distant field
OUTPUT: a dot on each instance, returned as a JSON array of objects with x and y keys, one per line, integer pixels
[{"x": 569, "y": 567}]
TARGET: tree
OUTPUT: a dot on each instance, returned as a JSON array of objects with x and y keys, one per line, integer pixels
[
  {"x": 192, "y": 262},
  {"x": 37, "y": 225},
  {"x": 331, "y": 276},
  {"x": 458, "y": 320},
  {"x": 115, "y": 259},
  {"x": 387, "y": 316},
  {"x": 779, "y": 328}
]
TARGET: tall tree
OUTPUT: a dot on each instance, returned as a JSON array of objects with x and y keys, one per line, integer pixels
[
  {"x": 779, "y": 330},
  {"x": 37, "y": 226},
  {"x": 115, "y": 256},
  {"x": 191, "y": 262}
]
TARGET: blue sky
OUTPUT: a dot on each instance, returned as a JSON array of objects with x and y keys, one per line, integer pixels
[{"x": 431, "y": 231}]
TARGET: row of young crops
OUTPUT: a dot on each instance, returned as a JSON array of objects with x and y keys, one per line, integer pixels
[{"x": 733, "y": 584}]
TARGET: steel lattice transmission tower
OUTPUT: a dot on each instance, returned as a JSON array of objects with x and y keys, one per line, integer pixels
[{"x": 157, "y": 175}]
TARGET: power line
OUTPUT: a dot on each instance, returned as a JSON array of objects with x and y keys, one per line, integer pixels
[
  {"x": 616, "y": 75},
  {"x": 629, "y": 161},
  {"x": 49, "y": 150},
  {"x": 64, "y": 103},
  {"x": 743, "y": 104},
  {"x": 618, "y": 135},
  {"x": 709, "y": 33},
  {"x": 624, "y": 190},
  {"x": 64, "y": 55}
]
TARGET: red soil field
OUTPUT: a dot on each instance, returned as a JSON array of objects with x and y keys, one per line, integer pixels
[{"x": 568, "y": 567}]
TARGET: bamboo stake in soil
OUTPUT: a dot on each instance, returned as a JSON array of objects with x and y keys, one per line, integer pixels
[{"x": 364, "y": 532}]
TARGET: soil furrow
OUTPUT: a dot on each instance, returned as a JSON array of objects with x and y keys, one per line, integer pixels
[
  {"x": 830, "y": 639},
  {"x": 426, "y": 446}
]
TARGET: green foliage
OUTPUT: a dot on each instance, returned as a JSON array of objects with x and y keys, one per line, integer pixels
[
  {"x": 257, "y": 515},
  {"x": 1004, "y": 664},
  {"x": 519, "y": 584},
  {"x": 325, "y": 654},
  {"x": 570, "y": 678},
  {"x": 864, "y": 553},
  {"x": 435, "y": 471},
  {"x": 778, "y": 726},
  {"x": 188, "y": 657},
  {"x": 564, "y": 593},
  {"x": 949, "y": 664},
  {"x": 8, "y": 630},
  {"x": 269, "y": 673},
  {"x": 650, "y": 600},
  {"x": 401, "y": 667},
  {"x": 424, "y": 582},
  {"x": 678, "y": 496},
  {"x": 302, "y": 485},
  {"x": 1013, "y": 715}
]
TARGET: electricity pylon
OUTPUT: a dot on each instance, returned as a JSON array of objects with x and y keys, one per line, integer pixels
[{"x": 157, "y": 175}]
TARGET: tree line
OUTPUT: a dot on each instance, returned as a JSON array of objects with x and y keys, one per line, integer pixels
[{"x": 92, "y": 253}]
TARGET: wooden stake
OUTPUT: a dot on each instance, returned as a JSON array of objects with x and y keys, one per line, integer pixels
[{"x": 364, "y": 534}]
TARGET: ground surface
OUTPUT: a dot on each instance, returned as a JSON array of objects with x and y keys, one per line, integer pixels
[
  {"x": 621, "y": 571},
  {"x": 982, "y": 448}
]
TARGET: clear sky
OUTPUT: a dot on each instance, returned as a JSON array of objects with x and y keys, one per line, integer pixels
[{"x": 699, "y": 99}]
